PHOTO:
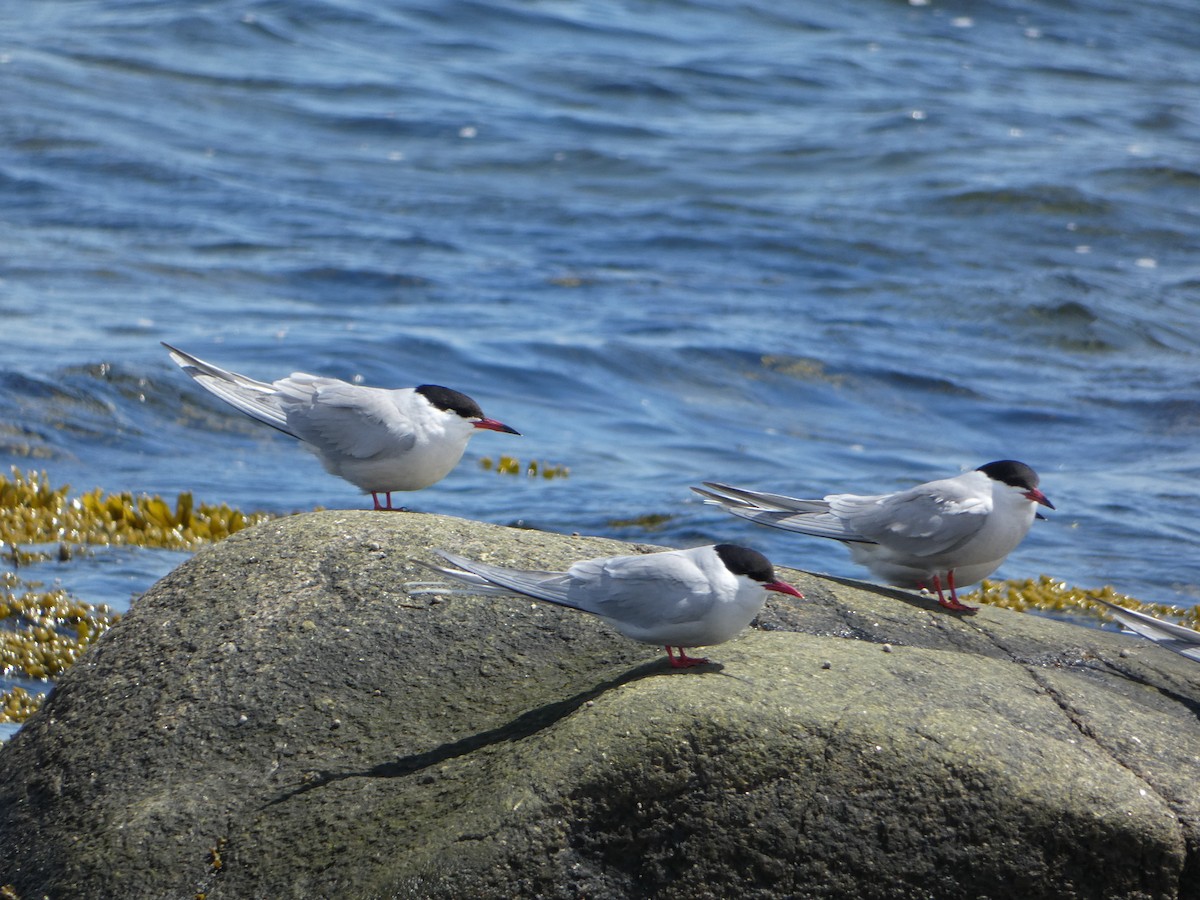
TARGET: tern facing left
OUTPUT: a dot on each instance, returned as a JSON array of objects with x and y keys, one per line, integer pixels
[
  {"x": 379, "y": 440},
  {"x": 955, "y": 531},
  {"x": 675, "y": 599}
]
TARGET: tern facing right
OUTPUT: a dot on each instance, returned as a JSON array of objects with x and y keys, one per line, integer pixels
[
  {"x": 379, "y": 440},
  {"x": 675, "y": 599},
  {"x": 955, "y": 531}
]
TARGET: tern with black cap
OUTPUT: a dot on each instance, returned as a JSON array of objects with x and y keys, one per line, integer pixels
[
  {"x": 937, "y": 536},
  {"x": 675, "y": 599},
  {"x": 377, "y": 439}
]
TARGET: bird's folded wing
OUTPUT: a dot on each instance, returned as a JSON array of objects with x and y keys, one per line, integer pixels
[
  {"x": 464, "y": 583},
  {"x": 778, "y": 511},
  {"x": 1182, "y": 640},
  {"x": 918, "y": 522},
  {"x": 256, "y": 399},
  {"x": 343, "y": 419},
  {"x": 727, "y": 494},
  {"x": 642, "y": 591},
  {"x": 548, "y": 586}
]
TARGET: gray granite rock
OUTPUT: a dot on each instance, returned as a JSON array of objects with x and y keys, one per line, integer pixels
[{"x": 278, "y": 718}]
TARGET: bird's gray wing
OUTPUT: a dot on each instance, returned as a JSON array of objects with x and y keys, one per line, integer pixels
[
  {"x": 642, "y": 592},
  {"x": 338, "y": 418},
  {"x": 778, "y": 511},
  {"x": 927, "y": 520},
  {"x": 463, "y": 583},
  {"x": 548, "y": 586},
  {"x": 1178, "y": 638},
  {"x": 256, "y": 399},
  {"x": 724, "y": 493}
]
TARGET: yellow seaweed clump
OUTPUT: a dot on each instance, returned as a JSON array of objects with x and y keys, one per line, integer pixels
[
  {"x": 799, "y": 367},
  {"x": 1049, "y": 595},
  {"x": 18, "y": 705},
  {"x": 648, "y": 522},
  {"x": 510, "y": 465},
  {"x": 41, "y": 634},
  {"x": 33, "y": 512},
  {"x": 44, "y": 632}
]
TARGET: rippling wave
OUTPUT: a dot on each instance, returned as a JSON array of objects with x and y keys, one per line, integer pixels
[{"x": 804, "y": 248}]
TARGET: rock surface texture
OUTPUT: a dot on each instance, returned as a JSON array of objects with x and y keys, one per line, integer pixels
[{"x": 278, "y": 718}]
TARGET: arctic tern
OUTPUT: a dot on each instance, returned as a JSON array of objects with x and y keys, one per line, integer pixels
[
  {"x": 379, "y": 440},
  {"x": 675, "y": 599},
  {"x": 952, "y": 532}
]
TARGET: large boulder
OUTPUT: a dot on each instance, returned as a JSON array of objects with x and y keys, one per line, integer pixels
[{"x": 277, "y": 718}]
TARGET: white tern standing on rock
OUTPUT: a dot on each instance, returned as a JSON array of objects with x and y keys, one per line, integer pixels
[
  {"x": 377, "y": 439},
  {"x": 955, "y": 530},
  {"x": 675, "y": 599}
]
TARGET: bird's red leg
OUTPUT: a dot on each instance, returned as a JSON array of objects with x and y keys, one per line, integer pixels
[
  {"x": 683, "y": 661},
  {"x": 953, "y": 602},
  {"x": 958, "y": 604},
  {"x": 388, "y": 507}
]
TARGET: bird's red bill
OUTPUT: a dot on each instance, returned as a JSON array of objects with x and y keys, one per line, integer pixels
[
  {"x": 783, "y": 588},
  {"x": 493, "y": 425},
  {"x": 1038, "y": 497}
]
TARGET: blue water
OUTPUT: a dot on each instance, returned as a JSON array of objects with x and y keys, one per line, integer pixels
[{"x": 806, "y": 247}]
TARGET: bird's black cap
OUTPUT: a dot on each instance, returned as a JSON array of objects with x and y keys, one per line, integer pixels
[
  {"x": 744, "y": 561},
  {"x": 1010, "y": 472},
  {"x": 450, "y": 400}
]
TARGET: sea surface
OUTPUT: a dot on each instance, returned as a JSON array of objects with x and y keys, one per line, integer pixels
[{"x": 806, "y": 247}]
